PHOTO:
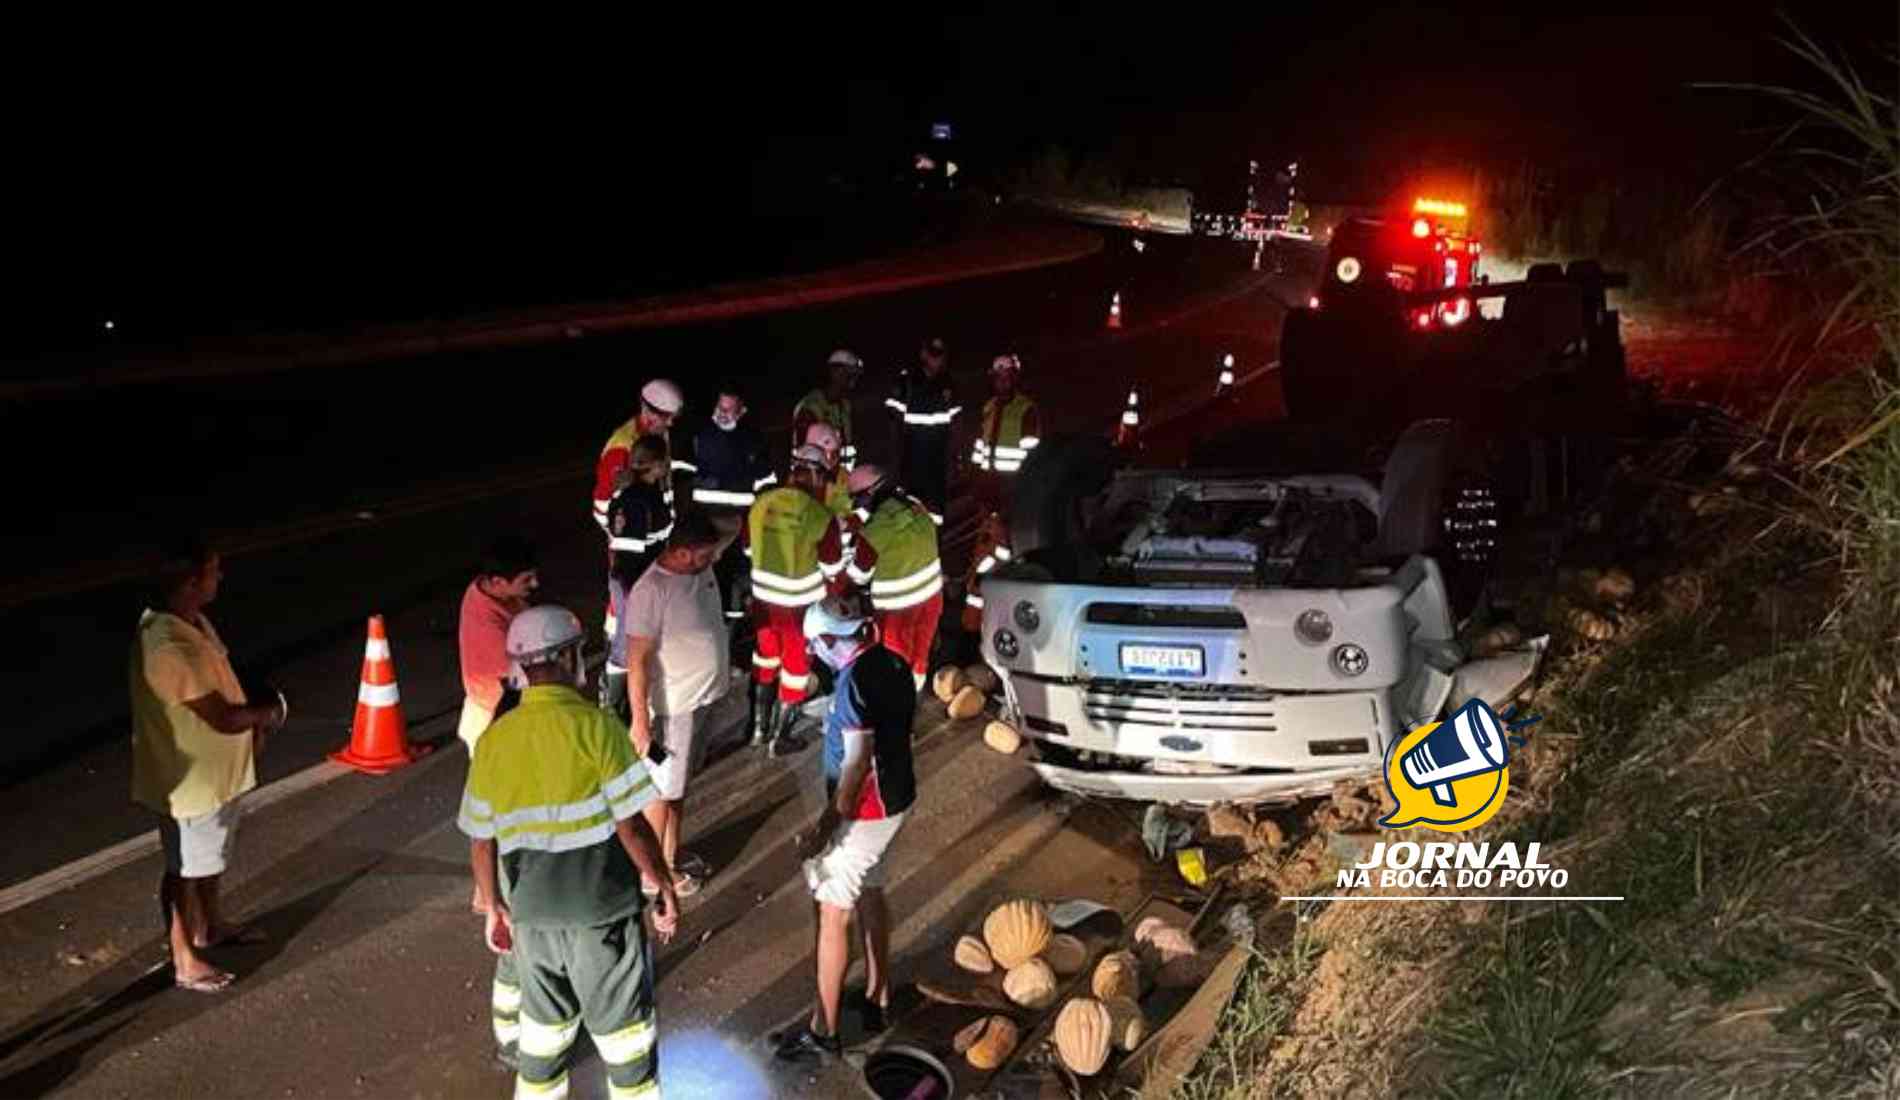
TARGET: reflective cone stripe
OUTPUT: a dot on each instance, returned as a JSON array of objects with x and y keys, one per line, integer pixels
[
  {"x": 1131, "y": 420},
  {"x": 379, "y": 737}
]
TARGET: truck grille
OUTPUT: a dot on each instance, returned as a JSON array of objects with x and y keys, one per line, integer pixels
[
  {"x": 1193, "y": 616},
  {"x": 1180, "y": 706}
]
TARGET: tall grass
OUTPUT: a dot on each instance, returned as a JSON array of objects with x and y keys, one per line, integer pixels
[
  {"x": 1843, "y": 150},
  {"x": 1678, "y": 243}
]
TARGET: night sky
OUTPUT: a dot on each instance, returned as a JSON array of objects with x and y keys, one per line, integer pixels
[{"x": 203, "y": 160}]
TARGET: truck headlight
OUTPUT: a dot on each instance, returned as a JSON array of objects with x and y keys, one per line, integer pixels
[
  {"x": 1314, "y": 627},
  {"x": 1350, "y": 660},
  {"x": 1004, "y": 641},
  {"x": 1027, "y": 616},
  {"x": 1348, "y": 269}
]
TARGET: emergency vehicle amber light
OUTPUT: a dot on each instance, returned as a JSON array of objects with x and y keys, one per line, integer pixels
[{"x": 1439, "y": 207}]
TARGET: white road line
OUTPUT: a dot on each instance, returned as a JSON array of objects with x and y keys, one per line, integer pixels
[
  {"x": 107, "y": 860},
  {"x": 131, "y": 851}
]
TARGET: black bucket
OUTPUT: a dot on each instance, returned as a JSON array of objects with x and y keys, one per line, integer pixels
[{"x": 907, "y": 1073}]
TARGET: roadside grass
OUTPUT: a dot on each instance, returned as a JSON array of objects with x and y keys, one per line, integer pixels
[
  {"x": 1676, "y": 242},
  {"x": 1264, "y": 1001},
  {"x": 1732, "y": 766}
]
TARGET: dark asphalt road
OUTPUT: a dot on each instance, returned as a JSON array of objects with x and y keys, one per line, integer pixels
[
  {"x": 376, "y": 984},
  {"x": 293, "y": 448}
]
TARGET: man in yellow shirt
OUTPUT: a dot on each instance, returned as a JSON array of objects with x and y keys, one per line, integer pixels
[{"x": 194, "y": 745}]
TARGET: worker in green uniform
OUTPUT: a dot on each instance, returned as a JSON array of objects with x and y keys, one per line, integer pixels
[{"x": 558, "y": 846}]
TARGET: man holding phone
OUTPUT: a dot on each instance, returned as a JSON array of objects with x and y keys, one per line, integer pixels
[{"x": 678, "y": 665}]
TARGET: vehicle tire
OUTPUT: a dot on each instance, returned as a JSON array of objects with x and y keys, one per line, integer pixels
[
  {"x": 1438, "y": 475},
  {"x": 1048, "y": 513}
]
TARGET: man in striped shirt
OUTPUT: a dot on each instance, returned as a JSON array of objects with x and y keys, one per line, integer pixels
[{"x": 558, "y": 847}]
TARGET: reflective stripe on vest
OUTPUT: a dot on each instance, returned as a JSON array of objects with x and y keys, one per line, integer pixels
[
  {"x": 1000, "y": 443},
  {"x": 786, "y": 525},
  {"x": 640, "y": 546},
  {"x": 723, "y": 496},
  {"x": 909, "y": 570}
]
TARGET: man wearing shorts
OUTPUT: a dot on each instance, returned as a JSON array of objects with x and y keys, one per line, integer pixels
[
  {"x": 194, "y": 743},
  {"x": 678, "y": 665},
  {"x": 870, "y": 786}
]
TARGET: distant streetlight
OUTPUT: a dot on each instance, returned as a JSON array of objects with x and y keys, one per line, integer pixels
[{"x": 110, "y": 325}]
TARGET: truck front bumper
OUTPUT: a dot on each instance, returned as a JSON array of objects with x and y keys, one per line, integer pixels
[
  {"x": 1200, "y": 790},
  {"x": 1197, "y": 745}
]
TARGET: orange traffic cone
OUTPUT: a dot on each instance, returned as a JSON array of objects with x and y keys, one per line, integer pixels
[
  {"x": 1115, "y": 310},
  {"x": 379, "y": 738},
  {"x": 1130, "y": 425}
]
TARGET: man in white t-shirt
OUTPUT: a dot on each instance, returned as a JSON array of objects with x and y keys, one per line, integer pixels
[{"x": 678, "y": 664}]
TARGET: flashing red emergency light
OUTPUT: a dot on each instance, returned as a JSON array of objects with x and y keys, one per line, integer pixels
[
  {"x": 1438, "y": 207},
  {"x": 1457, "y": 313},
  {"x": 1425, "y": 318}
]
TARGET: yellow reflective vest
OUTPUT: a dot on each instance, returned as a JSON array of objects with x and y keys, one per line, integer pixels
[
  {"x": 1000, "y": 443},
  {"x": 896, "y": 555},
  {"x": 796, "y": 546}
]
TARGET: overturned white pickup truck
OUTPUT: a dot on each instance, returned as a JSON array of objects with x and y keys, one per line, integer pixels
[{"x": 1201, "y": 637}]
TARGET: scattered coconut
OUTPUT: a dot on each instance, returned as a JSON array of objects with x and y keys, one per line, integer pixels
[
  {"x": 981, "y": 677},
  {"x": 1590, "y": 626},
  {"x": 1065, "y": 954},
  {"x": 1226, "y": 821},
  {"x": 946, "y": 682},
  {"x": 1615, "y": 586},
  {"x": 967, "y": 703},
  {"x": 972, "y": 955},
  {"x": 1496, "y": 640},
  {"x": 1031, "y": 985},
  {"x": 1002, "y": 737}
]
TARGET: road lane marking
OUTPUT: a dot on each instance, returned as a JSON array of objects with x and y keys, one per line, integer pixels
[{"x": 106, "y": 860}]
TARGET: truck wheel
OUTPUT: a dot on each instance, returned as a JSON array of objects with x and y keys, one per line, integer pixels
[
  {"x": 1438, "y": 497},
  {"x": 1049, "y": 512}
]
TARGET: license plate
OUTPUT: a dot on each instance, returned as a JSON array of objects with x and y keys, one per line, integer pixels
[{"x": 1163, "y": 660}]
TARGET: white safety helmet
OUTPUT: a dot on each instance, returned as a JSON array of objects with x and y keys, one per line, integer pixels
[
  {"x": 663, "y": 395},
  {"x": 845, "y": 357},
  {"x": 809, "y": 455},
  {"x": 1006, "y": 362},
  {"x": 838, "y": 616},
  {"x": 539, "y": 634},
  {"x": 826, "y": 438}
]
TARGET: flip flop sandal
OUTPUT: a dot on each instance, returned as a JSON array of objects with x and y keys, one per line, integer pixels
[{"x": 209, "y": 983}]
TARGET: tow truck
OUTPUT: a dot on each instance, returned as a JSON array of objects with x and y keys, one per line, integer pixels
[
  {"x": 1430, "y": 248},
  {"x": 1395, "y": 323}
]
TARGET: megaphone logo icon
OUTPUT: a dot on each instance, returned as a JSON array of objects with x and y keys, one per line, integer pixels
[{"x": 1450, "y": 775}]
